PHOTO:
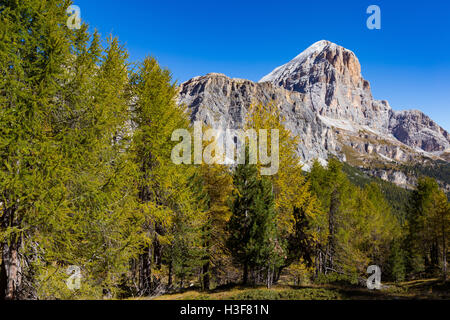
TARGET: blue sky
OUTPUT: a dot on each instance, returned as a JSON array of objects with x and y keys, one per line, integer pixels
[{"x": 407, "y": 61}]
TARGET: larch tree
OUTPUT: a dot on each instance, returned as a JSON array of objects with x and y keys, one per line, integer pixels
[
  {"x": 165, "y": 196},
  {"x": 218, "y": 186},
  {"x": 331, "y": 187},
  {"x": 297, "y": 232},
  {"x": 34, "y": 48},
  {"x": 65, "y": 181},
  {"x": 441, "y": 221},
  {"x": 423, "y": 236}
]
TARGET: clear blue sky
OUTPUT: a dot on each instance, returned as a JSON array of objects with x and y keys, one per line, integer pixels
[{"x": 407, "y": 61}]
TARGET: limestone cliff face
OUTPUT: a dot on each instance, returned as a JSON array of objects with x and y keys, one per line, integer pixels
[
  {"x": 219, "y": 101},
  {"x": 327, "y": 104},
  {"x": 331, "y": 76},
  {"x": 417, "y": 130}
]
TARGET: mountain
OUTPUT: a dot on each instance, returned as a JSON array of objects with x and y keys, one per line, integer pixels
[
  {"x": 329, "y": 105},
  {"x": 331, "y": 76}
]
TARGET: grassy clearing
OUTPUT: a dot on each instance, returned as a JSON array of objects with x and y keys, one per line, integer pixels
[{"x": 419, "y": 289}]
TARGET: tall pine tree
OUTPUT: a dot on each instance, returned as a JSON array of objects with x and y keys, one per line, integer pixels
[{"x": 253, "y": 239}]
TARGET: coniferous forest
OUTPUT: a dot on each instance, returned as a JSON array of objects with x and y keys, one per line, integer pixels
[{"x": 89, "y": 193}]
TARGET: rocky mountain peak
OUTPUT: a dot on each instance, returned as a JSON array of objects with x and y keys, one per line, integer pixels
[
  {"x": 327, "y": 60},
  {"x": 326, "y": 103},
  {"x": 331, "y": 76}
]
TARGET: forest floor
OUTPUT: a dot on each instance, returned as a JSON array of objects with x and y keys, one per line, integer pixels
[{"x": 418, "y": 289}]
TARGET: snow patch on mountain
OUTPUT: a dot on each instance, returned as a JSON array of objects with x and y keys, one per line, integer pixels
[
  {"x": 341, "y": 124},
  {"x": 303, "y": 57},
  {"x": 291, "y": 65}
]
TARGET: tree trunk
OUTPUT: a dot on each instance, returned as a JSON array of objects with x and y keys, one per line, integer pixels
[
  {"x": 444, "y": 253},
  {"x": 245, "y": 275},
  {"x": 11, "y": 267},
  {"x": 157, "y": 252},
  {"x": 145, "y": 273},
  {"x": 169, "y": 282},
  {"x": 11, "y": 273},
  {"x": 270, "y": 276},
  {"x": 434, "y": 256},
  {"x": 319, "y": 263},
  {"x": 206, "y": 278},
  {"x": 334, "y": 208},
  {"x": 278, "y": 274},
  {"x": 205, "y": 281}
]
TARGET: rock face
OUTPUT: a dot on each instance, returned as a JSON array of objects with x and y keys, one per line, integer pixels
[
  {"x": 417, "y": 130},
  {"x": 217, "y": 100},
  {"x": 328, "y": 104},
  {"x": 331, "y": 76}
]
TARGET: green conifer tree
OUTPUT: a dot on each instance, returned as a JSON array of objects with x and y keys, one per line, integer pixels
[
  {"x": 65, "y": 181},
  {"x": 253, "y": 239},
  {"x": 33, "y": 51}
]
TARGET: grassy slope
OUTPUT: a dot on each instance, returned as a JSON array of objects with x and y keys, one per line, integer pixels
[{"x": 419, "y": 289}]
